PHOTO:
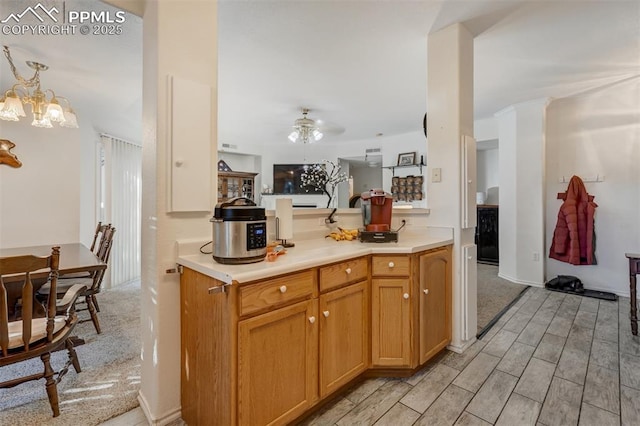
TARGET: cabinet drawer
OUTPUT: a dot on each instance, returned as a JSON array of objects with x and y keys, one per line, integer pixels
[
  {"x": 342, "y": 273},
  {"x": 276, "y": 292},
  {"x": 390, "y": 265}
]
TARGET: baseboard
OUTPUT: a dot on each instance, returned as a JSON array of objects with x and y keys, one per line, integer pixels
[
  {"x": 495, "y": 319},
  {"x": 523, "y": 282},
  {"x": 459, "y": 349},
  {"x": 167, "y": 418}
]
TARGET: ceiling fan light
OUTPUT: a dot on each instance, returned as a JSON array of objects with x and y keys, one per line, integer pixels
[
  {"x": 293, "y": 136},
  {"x": 70, "y": 119},
  {"x": 54, "y": 111},
  {"x": 43, "y": 122},
  {"x": 317, "y": 134},
  {"x": 13, "y": 105}
]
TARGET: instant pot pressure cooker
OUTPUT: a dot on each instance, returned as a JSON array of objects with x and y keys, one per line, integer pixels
[{"x": 239, "y": 232}]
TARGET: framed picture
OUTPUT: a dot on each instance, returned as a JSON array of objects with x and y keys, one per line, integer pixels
[{"x": 406, "y": 159}]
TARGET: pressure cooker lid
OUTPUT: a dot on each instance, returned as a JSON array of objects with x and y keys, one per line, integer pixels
[{"x": 238, "y": 209}]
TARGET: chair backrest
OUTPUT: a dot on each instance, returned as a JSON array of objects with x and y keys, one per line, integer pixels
[
  {"x": 99, "y": 236},
  {"x": 26, "y": 265},
  {"x": 104, "y": 252}
]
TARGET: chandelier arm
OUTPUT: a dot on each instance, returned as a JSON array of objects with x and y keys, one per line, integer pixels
[
  {"x": 19, "y": 93},
  {"x": 33, "y": 81}
]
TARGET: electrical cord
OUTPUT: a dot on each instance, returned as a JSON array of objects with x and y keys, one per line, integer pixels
[
  {"x": 404, "y": 222},
  {"x": 204, "y": 245}
]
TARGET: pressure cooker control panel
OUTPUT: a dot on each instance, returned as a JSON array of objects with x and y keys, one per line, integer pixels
[{"x": 256, "y": 235}]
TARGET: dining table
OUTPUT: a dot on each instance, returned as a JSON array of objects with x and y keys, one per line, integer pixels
[{"x": 74, "y": 258}]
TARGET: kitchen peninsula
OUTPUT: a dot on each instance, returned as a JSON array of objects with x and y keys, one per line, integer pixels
[{"x": 265, "y": 343}]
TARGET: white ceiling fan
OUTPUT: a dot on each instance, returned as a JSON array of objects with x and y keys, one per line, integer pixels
[{"x": 308, "y": 130}]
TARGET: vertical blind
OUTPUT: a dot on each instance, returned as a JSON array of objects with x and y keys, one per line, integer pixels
[{"x": 122, "y": 200}]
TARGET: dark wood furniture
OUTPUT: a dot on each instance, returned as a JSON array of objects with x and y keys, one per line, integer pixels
[
  {"x": 29, "y": 337},
  {"x": 74, "y": 258},
  {"x": 487, "y": 234},
  {"x": 92, "y": 282},
  {"x": 235, "y": 184},
  {"x": 634, "y": 269}
]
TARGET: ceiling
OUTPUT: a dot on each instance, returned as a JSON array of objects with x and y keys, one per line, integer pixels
[{"x": 360, "y": 66}]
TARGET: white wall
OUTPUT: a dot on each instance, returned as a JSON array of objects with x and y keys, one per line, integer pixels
[
  {"x": 485, "y": 129},
  {"x": 40, "y": 202},
  {"x": 521, "y": 157},
  {"x": 598, "y": 133},
  {"x": 169, "y": 50},
  {"x": 488, "y": 169}
]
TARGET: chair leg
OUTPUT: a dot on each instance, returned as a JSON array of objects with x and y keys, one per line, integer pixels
[
  {"x": 52, "y": 389},
  {"x": 95, "y": 302},
  {"x": 94, "y": 315},
  {"x": 73, "y": 356}
]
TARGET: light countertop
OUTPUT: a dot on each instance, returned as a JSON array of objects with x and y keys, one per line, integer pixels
[{"x": 311, "y": 253}]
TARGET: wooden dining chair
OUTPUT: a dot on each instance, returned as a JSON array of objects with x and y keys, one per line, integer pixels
[
  {"x": 92, "y": 284},
  {"x": 96, "y": 244},
  {"x": 29, "y": 337}
]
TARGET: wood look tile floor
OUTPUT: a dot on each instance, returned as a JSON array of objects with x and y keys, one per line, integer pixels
[{"x": 552, "y": 359}]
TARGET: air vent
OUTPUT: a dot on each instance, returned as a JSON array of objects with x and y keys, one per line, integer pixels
[
  {"x": 372, "y": 150},
  {"x": 229, "y": 146}
]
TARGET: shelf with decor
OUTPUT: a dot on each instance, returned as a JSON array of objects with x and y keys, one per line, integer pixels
[
  {"x": 403, "y": 166},
  {"x": 407, "y": 160}
]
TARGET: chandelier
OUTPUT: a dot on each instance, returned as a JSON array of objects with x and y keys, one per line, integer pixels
[
  {"x": 27, "y": 91},
  {"x": 305, "y": 130}
]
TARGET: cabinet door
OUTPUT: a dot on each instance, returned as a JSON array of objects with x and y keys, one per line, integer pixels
[
  {"x": 390, "y": 322},
  {"x": 435, "y": 303},
  {"x": 277, "y": 364},
  {"x": 343, "y": 336}
]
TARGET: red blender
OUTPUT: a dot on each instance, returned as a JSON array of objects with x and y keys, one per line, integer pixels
[{"x": 377, "y": 206}]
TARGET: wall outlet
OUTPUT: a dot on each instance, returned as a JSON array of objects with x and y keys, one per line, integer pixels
[
  {"x": 536, "y": 256},
  {"x": 436, "y": 175}
]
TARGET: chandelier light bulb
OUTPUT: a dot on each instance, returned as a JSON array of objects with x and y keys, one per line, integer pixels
[
  {"x": 54, "y": 111},
  {"x": 44, "y": 122},
  {"x": 70, "y": 119},
  {"x": 13, "y": 106}
]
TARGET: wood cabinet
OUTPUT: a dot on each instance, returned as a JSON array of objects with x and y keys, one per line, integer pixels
[
  {"x": 435, "y": 302},
  {"x": 390, "y": 322},
  {"x": 410, "y": 308},
  {"x": 277, "y": 365},
  {"x": 269, "y": 351},
  {"x": 344, "y": 335},
  {"x": 235, "y": 184}
]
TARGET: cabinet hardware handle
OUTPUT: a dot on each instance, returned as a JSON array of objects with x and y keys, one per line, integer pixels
[
  {"x": 312, "y": 319},
  {"x": 426, "y": 291},
  {"x": 218, "y": 289},
  {"x": 283, "y": 289},
  {"x": 326, "y": 314},
  {"x": 348, "y": 270},
  {"x": 406, "y": 295},
  {"x": 391, "y": 264}
]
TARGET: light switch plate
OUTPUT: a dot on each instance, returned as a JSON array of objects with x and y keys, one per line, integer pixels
[{"x": 436, "y": 175}]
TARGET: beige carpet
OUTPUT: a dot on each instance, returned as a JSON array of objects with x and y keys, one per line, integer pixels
[
  {"x": 110, "y": 379},
  {"x": 494, "y": 293}
]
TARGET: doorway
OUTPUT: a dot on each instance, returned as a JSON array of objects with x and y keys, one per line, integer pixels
[{"x": 364, "y": 174}]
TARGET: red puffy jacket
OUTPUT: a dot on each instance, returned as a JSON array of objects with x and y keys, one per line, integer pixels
[{"x": 574, "y": 237}]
